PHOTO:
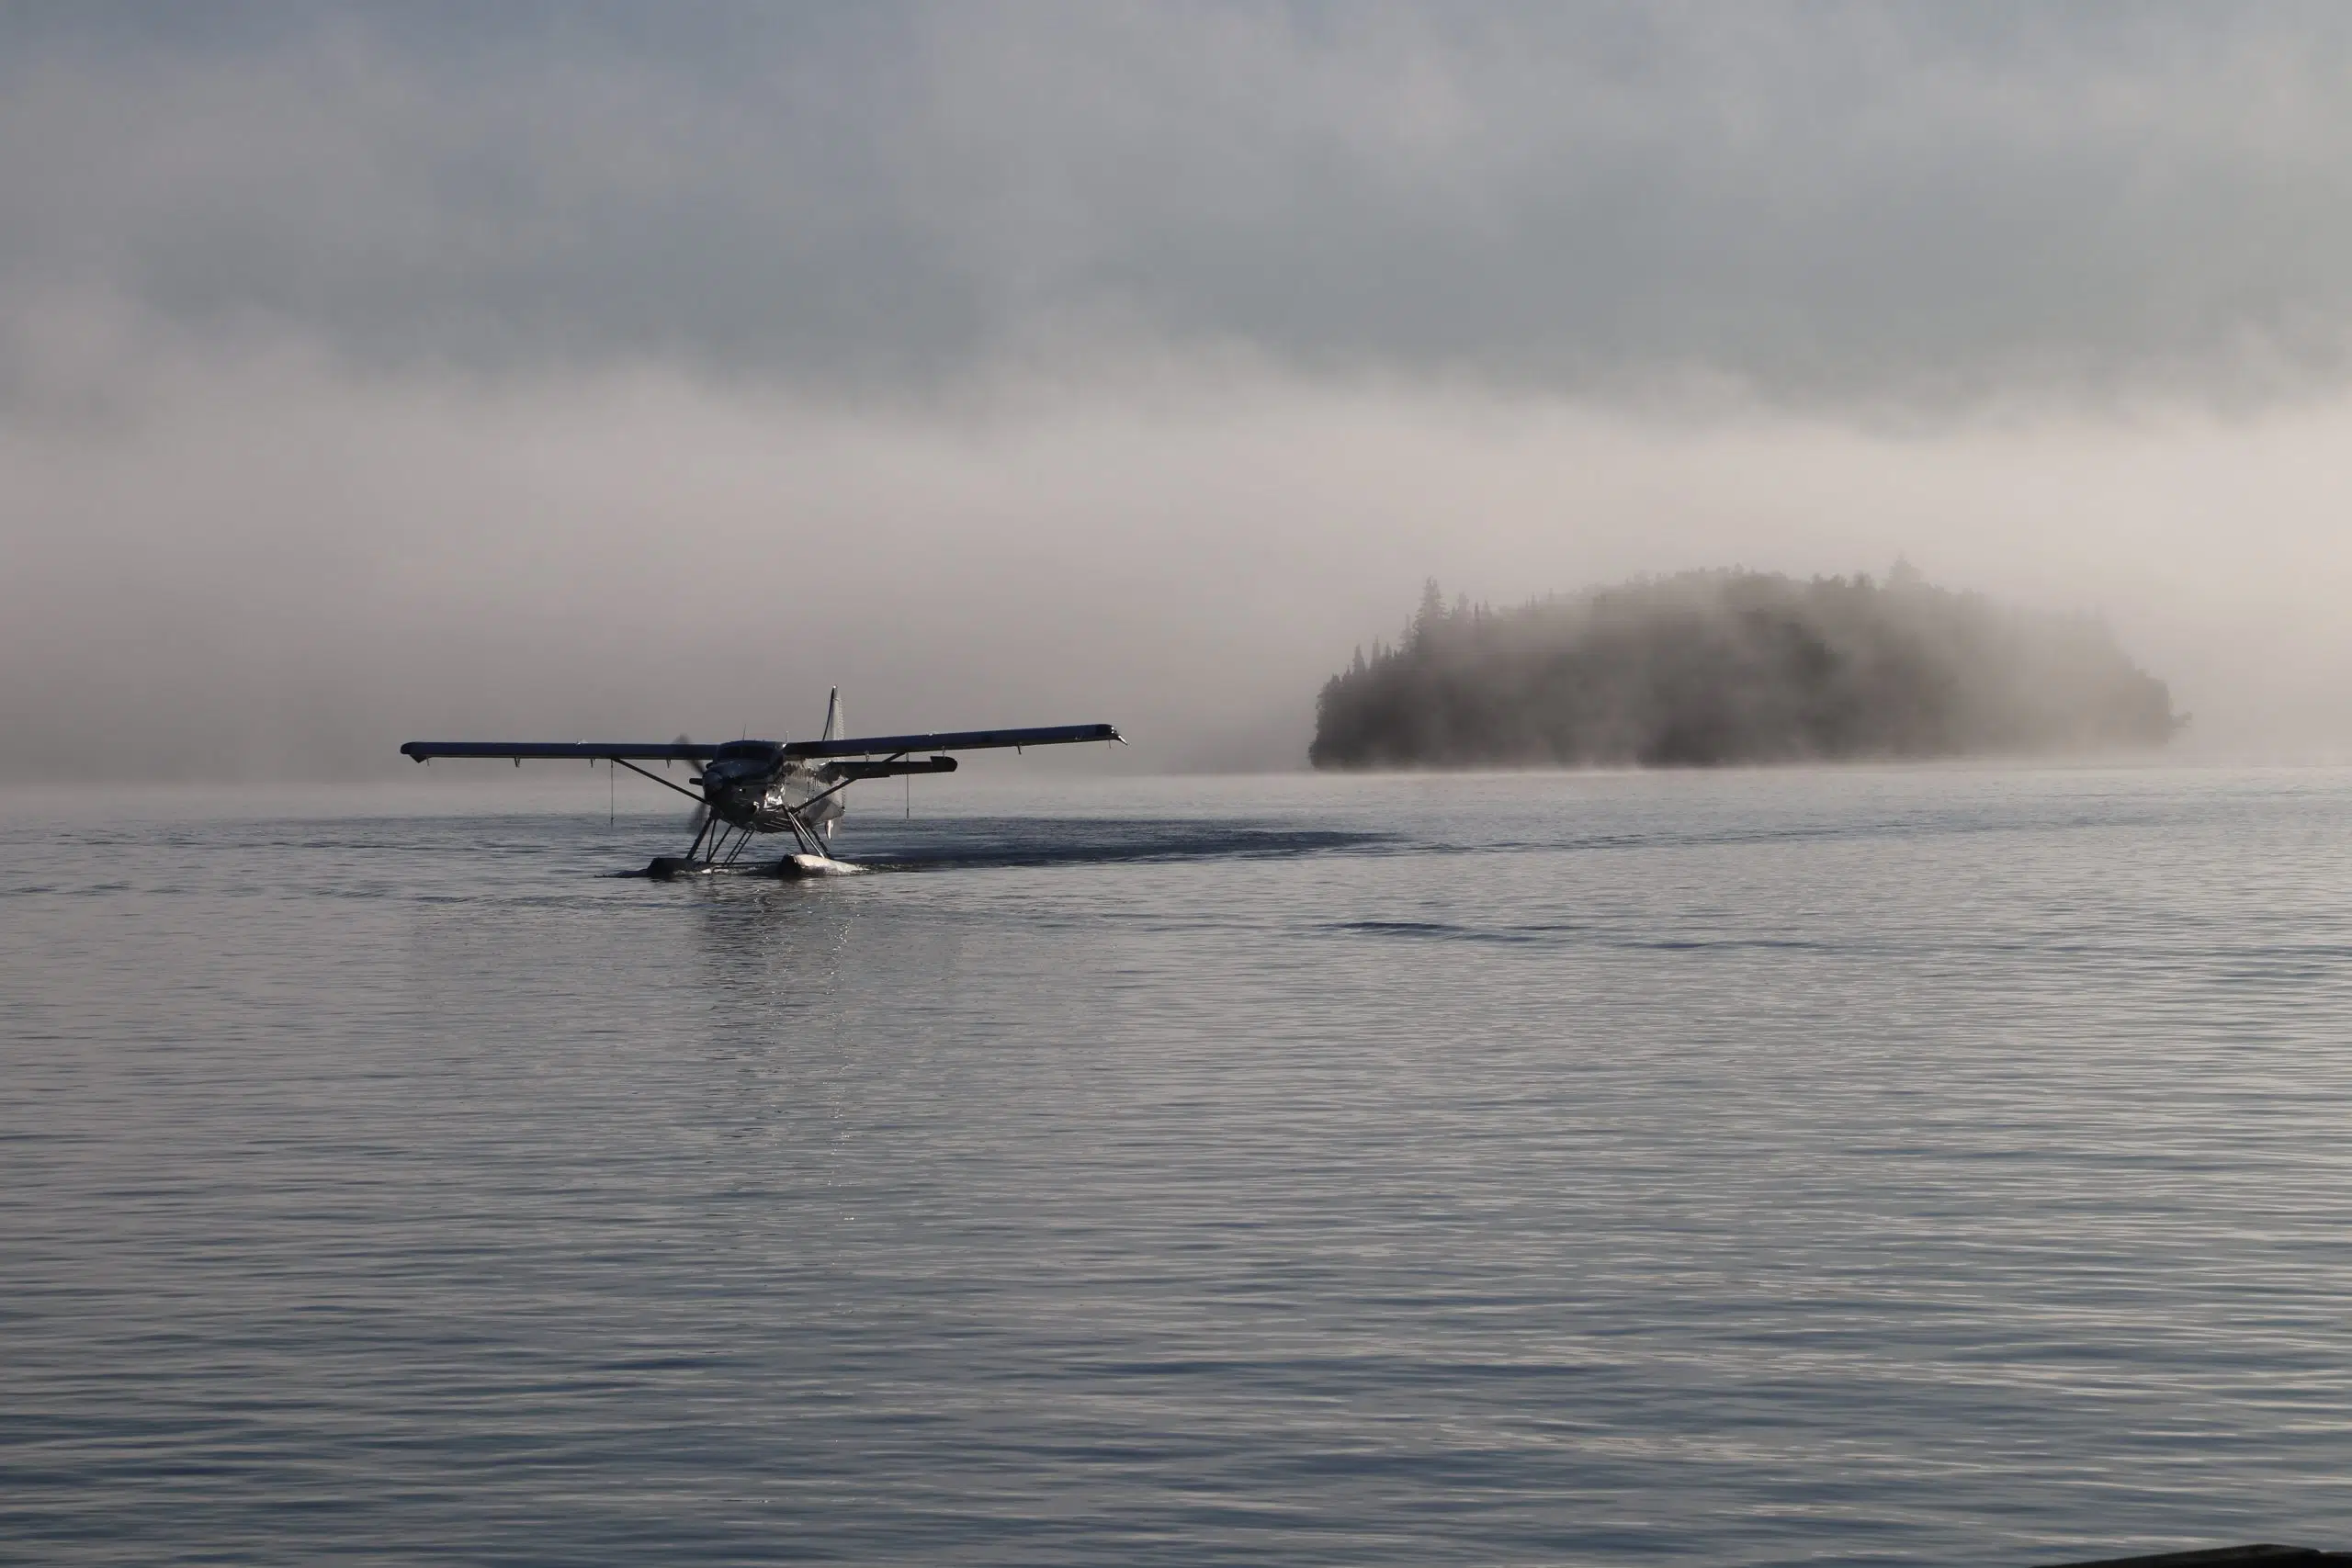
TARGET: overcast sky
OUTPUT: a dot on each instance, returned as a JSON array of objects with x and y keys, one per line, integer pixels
[{"x": 371, "y": 372}]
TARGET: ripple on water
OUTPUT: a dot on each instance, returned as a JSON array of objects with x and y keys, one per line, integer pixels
[{"x": 1894, "y": 1165}]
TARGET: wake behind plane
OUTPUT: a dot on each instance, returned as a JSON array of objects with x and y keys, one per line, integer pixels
[{"x": 751, "y": 787}]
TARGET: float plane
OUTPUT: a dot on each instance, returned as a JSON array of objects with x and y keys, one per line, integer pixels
[{"x": 748, "y": 787}]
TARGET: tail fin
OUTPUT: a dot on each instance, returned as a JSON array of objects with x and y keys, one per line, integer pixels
[{"x": 836, "y": 726}]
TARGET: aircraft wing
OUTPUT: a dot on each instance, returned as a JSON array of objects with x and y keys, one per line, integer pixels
[
  {"x": 574, "y": 751},
  {"x": 955, "y": 741}
]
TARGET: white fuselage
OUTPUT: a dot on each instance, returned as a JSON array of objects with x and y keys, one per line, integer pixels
[{"x": 750, "y": 784}]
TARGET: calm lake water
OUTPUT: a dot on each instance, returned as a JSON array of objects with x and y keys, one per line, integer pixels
[{"x": 1885, "y": 1166}]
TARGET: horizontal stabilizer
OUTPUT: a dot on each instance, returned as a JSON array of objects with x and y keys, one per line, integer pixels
[{"x": 889, "y": 767}]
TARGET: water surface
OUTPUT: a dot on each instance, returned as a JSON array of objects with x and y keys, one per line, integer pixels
[{"x": 1884, "y": 1166}]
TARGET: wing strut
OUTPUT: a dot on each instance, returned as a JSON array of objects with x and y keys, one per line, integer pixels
[{"x": 657, "y": 778}]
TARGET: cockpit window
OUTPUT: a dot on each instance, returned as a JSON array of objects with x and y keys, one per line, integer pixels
[{"x": 745, "y": 752}]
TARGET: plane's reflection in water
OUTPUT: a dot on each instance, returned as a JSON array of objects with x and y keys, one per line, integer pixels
[
  {"x": 830, "y": 1016},
  {"x": 773, "y": 1067}
]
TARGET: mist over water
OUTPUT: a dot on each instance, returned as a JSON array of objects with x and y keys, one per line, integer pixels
[
  {"x": 1932, "y": 1165},
  {"x": 366, "y": 375},
  {"x": 635, "y": 559}
]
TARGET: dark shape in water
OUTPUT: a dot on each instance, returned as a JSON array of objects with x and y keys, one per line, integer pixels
[{"x": 1716, "y": 667}]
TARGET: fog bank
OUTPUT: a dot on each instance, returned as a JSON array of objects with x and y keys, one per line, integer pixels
[
  {"x": 270, "y": 566},
  {"x": 375, "y": 372}
]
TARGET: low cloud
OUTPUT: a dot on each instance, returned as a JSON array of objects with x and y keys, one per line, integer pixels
[{"x": 1867, "y": 211}]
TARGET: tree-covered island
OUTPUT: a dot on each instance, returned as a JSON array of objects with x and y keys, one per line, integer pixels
[{"x": 1716, "y": 667}]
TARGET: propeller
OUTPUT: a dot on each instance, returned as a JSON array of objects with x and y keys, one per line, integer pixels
[{"x": 701, "y": 817}]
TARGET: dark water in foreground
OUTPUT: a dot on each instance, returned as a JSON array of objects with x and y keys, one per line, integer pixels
[{"x": 1936, "y": 1167}]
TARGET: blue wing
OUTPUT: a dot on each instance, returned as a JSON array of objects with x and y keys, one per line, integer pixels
[
  {"x": 954, "y": 740},
  {"x": 574, "y": 751},
  {"x": 702, "y": 751}
]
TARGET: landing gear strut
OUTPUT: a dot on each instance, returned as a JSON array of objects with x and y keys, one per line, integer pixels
[{"x": 719, "y": 844}]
